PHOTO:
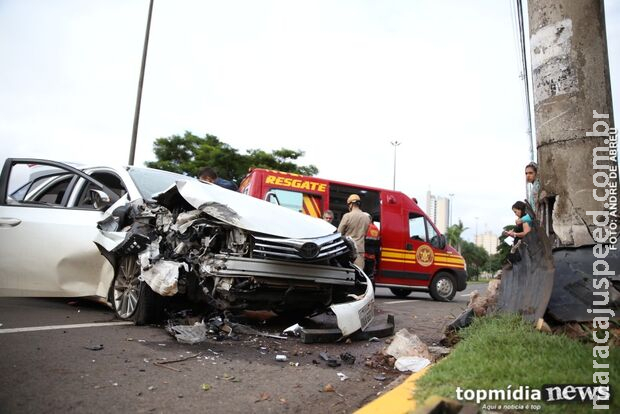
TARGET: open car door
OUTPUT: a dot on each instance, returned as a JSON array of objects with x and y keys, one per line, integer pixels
[{"x": 46, "y": 242}]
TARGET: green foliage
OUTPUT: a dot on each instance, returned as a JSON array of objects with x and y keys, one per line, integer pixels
[
  {"x": 454, "y": 235},
  {"x": 190, "y": 153},
  {"x": 503, "y": 351},
  {"x": 476, "y": 258}
]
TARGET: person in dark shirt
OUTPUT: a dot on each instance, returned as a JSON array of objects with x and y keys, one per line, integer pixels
[{"x": 208, "y": 174}]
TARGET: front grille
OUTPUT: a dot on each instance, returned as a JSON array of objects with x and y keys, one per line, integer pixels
[{"x": 312, "y": 250}]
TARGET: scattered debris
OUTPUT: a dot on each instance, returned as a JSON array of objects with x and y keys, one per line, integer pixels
[
  {"x": 331, "y": 361},
  {"x": 94, "y": 347},
  {"x": 542, "y": 326},
  {"x": 439, "y": 351},
  {"x": 188, "y": 334},
  {"x": 329, "y": 388},
  {"x": 152, "y": 388},
  {"x": 411, "y": 363},
  {"x": 263, "y": 397},
  {"x": 281, "y": 358},
  {"x": 293, "y": 330},
  {"x": 205, "y": 387},
  {"x": 380, "y": 360},
  {"x": 407, "y": 344},
  {"x": 347, "y": 358},
  {"x": 374, "y": 339},
  {"x": 342, "y": 376},
  {"x": 380, "y": 377}
]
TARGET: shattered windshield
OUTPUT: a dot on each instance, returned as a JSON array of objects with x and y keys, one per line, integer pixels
[{"x": 151, "y": 182}]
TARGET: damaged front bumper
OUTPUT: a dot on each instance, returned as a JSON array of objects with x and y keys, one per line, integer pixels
[{"x": 223, "y": 256}]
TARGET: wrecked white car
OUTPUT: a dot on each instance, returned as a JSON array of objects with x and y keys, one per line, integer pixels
[
  {"x": 231, "y": 252},
  {"x": 197, "y": 241}
]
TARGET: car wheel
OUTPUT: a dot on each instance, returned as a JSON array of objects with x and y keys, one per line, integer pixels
[
  {"x": 400, "y": 292},
  {"x": 133, "y": 299},
  {"x": 443, "y": 287}
]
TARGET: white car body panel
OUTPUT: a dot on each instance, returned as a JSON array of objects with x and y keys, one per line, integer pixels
[
  {"x": 31, "y": 265},
  {"x": 352, "y": 316},
  {"x": 252, "y": 214}
]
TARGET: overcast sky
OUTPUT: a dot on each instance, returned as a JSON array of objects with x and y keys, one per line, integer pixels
[{"x": 336, "y": 79}]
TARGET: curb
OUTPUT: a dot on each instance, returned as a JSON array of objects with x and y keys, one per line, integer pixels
[{"x": 396, "y": 401}]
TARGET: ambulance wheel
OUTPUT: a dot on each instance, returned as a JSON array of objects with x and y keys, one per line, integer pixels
[
  {"x": 400, "y": 292},
  {"x": 443, "y": 287}
]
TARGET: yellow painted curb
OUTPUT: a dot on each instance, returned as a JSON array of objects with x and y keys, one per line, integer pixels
[{"x": 396, "y": 401}]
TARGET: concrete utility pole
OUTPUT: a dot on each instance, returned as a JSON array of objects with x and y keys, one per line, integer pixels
[{"x": 570, "y": 76}]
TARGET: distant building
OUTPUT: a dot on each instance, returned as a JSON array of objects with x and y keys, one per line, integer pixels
[
  {"x": 488, "y": 241},
  {"x": 438, "y": 209}
]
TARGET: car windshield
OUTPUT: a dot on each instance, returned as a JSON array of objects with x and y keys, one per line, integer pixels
[{"x": 151, "y": 182}]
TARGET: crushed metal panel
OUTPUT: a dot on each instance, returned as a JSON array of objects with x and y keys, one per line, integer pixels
[
  {"x": 249, "y": 213},
  {"x": 573, "y": 291},
  {"x": 527, "y": 287}
]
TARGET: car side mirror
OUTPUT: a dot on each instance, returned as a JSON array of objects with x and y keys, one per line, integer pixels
[
  {"x": 100, "y": 198},
  {"x": 272, "y": 198},
  {"x": 442, "y": 241}
]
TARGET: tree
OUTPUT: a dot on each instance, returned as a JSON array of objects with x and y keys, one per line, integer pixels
[
  {"x": 475, "y": 257},
  {"x": 189, "y": 153},
  {"x": 454, "y": 235}
]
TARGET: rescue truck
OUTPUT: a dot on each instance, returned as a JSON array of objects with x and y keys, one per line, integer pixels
[{"x": 409, "y": 252}]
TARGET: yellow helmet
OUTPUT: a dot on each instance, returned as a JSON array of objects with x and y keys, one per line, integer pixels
[{"x": 353, "y": 198}]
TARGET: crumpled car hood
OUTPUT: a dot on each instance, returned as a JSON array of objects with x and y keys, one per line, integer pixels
[{"x": 245, "y": 212}]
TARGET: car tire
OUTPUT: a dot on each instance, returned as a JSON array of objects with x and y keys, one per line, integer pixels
[
  {"x": 443, "y": 287},
  {"x": 133, "y": 299},
  {"x": 400, "y": 292}
]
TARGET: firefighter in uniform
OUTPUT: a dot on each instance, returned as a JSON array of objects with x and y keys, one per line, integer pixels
[{"x": 355, "y": 225}]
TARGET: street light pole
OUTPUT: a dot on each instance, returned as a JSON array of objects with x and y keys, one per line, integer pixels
[
  {"x": 395, "y": 144},
  {"x": 450, "y": 215},
  {"x": 136, "y": 117}
]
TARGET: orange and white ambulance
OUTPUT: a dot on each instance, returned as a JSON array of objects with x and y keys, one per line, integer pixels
[{"x": 409, "y": 254}]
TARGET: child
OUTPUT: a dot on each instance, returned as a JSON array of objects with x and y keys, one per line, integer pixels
[{"x": 521, "y": 229}]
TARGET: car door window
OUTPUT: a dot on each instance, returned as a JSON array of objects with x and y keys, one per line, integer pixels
[
  {"x": 417, "y": 227},
  {"x": 433, "y": 236},
  {"x": 110, "y": 180},
  {"x": 38, "y": 184}
]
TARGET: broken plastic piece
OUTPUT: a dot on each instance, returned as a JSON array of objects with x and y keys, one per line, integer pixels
[
  {"x": 342, "y": 376},
  {"x": 94, "y": 347},
  {"x": 411, "y": 363},
  {"x": 189, "y": 334},
  {"x": 294, "y": 330},
  {"x": 281, "y": 358},
  {"x": 353, "y": 316}
]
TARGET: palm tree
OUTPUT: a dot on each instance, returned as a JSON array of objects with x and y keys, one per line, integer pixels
[{"x": 454, "y": 235}]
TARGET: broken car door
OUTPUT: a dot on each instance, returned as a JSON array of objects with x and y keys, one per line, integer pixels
[{"x": 46, "y": 243}]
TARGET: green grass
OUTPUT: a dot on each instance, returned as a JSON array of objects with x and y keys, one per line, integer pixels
[{"x": 504, "y": 350}]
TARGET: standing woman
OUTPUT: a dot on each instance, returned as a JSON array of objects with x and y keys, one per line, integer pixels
[{"x": 533, "y": 185}]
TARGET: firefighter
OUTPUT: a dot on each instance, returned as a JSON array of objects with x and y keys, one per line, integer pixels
[{"x": 355, "y": 225}]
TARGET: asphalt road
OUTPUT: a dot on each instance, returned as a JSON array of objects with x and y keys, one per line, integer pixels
[{"x": 71, "y": 355}]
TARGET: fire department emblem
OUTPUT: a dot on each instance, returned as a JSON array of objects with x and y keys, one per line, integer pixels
[{"x": 425, "y": 255}]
